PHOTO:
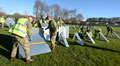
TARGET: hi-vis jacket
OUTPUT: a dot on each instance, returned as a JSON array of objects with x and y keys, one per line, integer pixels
[
  {"x": 20, "y": 28},
  {"x": 2, "y": 19}
]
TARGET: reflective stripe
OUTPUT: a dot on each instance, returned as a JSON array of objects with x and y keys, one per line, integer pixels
[
  {"x": 20, "y": 27},
  {"x": 19, "y": 30},
  {"x": 24, "y": 25},
  {"x": 21, "y": 24},
  {"x": 36, "y": 43},
  {"x": 47, "y": 33}
]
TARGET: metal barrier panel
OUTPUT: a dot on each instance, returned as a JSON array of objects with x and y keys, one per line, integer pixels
[
  {"x": 45, "y": 31},
  {"x": 77, "y": 38},
  {"x": 37, "y": 45},
  {"x": 10, "y": 22}
]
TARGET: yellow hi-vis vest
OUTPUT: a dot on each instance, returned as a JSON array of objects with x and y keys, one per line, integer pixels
[
  {"x": 36, "y": 25},
  {"x": 45, "y": 21},
  {"x": 91, "y": 34},
  {"x": 20, "y": 27},
  {"x": 60, "y": 23},
  {"x": 40, "y": 21},
  {"x": 2, "y": 19}
]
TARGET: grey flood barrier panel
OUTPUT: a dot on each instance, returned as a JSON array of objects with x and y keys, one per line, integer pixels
[{"x": 37, "y": 46}]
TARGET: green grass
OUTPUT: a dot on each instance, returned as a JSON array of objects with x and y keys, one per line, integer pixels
[{"x": 99, "y": 54}]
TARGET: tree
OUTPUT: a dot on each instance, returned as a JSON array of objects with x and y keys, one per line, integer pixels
[
  {"x": 79, "y": 17},
  {"x": 36, "y": 8},
  {"x": 2, "y": 14},
  {"x": 55, "y": 10},
  {"x": 51, "y": 11},
  {"x": 46, "y": 9},
  {"x": 65, "y": 13},
  {"x": 17, "y": 15},
  {"x": 72, "y": 13},
  {"x": 41, "y": 10}
]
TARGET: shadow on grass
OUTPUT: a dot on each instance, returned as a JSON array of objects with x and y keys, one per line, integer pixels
[
  {"x": 5, "y": 53},
  {"x": 91, "y": 46},
  {"x": 100, "y": 39},
  {"x": 71, "y": 35},
  {"x": 114, "y": 37},
  {"x": 6, "y": 42},
  {"x": 73, "y": 43},
  {"x": 58, "y": 43},
  {"x": 101, "y": 48}
]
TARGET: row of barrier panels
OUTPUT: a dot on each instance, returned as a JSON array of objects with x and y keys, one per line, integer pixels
[
  {"x": 78, "y": 39},
  {"x": 38, "y": 44},
  {"x": 63, "y": 34}
]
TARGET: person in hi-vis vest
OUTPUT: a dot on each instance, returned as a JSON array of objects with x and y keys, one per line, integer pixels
[
  {"x": 60, "y": 22},
  {"x": 81, "y": 32},
  {"x": 109, "y": 30},
  {"x": 2, "y": 21},
  {"x": 89, "y": 30},
  {"x": 19, "y": 31},
  {"x": 97, "y": 32},
  {"x": 53, "y": 31}
]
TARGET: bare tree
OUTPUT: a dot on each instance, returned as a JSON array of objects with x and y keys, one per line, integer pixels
[
  {"x": 52, "y": 11},
  {"x": 65, "y": 13},
  {"x": 79, "y": 17},
  {"x": 72, "y": 13},
  {"x": 55, "y": 10},
  {"x": 36, "y": 8},
  {"x": 41, "y": 9},
  {"x": 17, "y": 15},
  {"x": 46, "y": 9},
  {"x": 75, "y": 10},
  {"x": 2, "y": 14}
]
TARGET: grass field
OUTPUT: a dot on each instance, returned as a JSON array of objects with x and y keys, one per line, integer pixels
[{"x": 99, "y": 54}]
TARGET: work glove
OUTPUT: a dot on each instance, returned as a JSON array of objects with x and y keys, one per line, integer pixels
[
  {"x": 54, "y": 34},
  {"x": 30, "y": 39}
]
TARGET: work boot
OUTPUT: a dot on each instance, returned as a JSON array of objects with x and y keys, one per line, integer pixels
[
  {"x": 53, "y": 48},
  {"x": 30, "y": 60},
  {"x": 12, "y": 58}
]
